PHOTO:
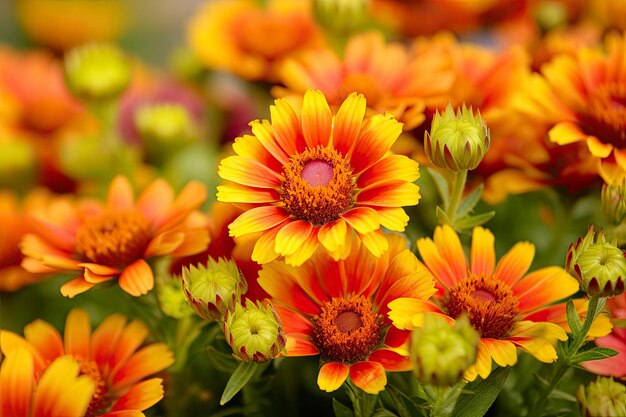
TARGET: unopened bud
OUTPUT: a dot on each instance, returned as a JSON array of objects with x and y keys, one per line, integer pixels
[
  {"x": 254, "y": 332},
  {"x": 17, "y": 163},
  {"x": 341, "y": 15},
  {"x": 97, "y": 71},
  {"x": 603, "y": 397},
  {"x": 171, "y": 297},
  {"x": 614, "y": 201},
  {"x": 457, "y": 141},
  {"x": 213, "y": 289},
  {"x": 441, "y": 352}
]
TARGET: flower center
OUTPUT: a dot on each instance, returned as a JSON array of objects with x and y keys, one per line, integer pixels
[
  {"x": 606, "y": 118},
  {"x": 318, "y": 186},
  {"x": 347, "y": 330},
  {"x": 114, "y": 239},
  {"x": 101, "y": 400},
  {"x": 488, "y": 302}
]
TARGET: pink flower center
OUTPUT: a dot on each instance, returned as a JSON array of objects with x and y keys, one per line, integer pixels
[{"x": 317, "y": 173}]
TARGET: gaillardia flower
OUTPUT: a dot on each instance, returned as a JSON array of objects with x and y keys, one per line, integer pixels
[
  {"x": 110, "y": 361},
  {"x": 311, "y": 178},
  {"x": 116, "y": 239},
  {"x": 338, "y": 309},
  {"x": 497, "y": 298}
]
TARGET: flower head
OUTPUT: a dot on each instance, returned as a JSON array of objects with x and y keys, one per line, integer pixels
[
  {"x": 498, "y": 299},
  {"x": 602, "y": 397},
  {"x": 337, "y": 309},
  {"x": 311, "y": 178},
  {"x": 599, "y": 266},
  {"x": 457, "y": 142},
  {"x": 111, "y": 366},
  {"x": 254, "y": 332},
  {"x": 104, "y": 242},
  {"x": 213, "y": 289}
]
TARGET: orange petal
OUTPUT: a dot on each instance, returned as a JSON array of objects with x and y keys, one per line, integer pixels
[
  {"x": 280, "y": 281},
  {"x": 543, "y": 287},
  {"x": 292, "y": 236},
  {"x": 362, "y": 219},
  {"x": 503, "y": 352},
  {"x": 347, "y": 123},
  {"x": 96, "y": 279},
  {"x": 565, "y": 133},
  {"x": 61, "y": 392},
  {"x": 393, "y": 218},
  {"x": 248, "y": 172},
  {"x": 390, "y": 360},
  {"x": 189, "y": 199},
  {"x": 293, "y": 322},
  {"x": 378, "y": 133},
  {"x": 120, "y": 196},
  {"x": 257, "y": 219},
  {"x": 147, "y": 361},
  {"x": 375, "y": 242},
  {"x": 286, "y": 127},
  {"x": 45, "y": 338},
  {"x": 12, "y": 342},
  {"x": 263, "y": 251},
  {"x": 76, "y": 286},
  {"x": 105, "y": 337},
  {"x": 390, "y": 168},
  {"x": 121, "y": 349},
  {"x": 124, "y": 413},
  {"x": 300, "y": 345},
  {"x": 515, "y": 263},
  {"x": 369, "y": 376},
  {"x": 239, "y": 193},
  {"x": 195, "y": 242},
  {"x": 394, "y": 193},
  {"x": 248, "y": 146},
  {"x": 77, "y": 333},
  {"x": 332, "y": 375},
  {"x": 16, "y": 383},
  {"x": 333, "y": 235},
  {"x": 155, "y": 201},
  {"x": 264, "y": 132},
  {"x": 99, "y": 269},
  {"x": 164, "y": 244},
  {"x": 483, "y": 252},
  {"x": 141, "y": 396},
  {"x": 316, "y": 119},
  {"x": 137, "y": 278}
]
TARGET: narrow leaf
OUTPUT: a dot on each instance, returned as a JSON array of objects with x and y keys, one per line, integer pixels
[
  {"x": 572, "y": 319},
  {"x": 442, "y": 186},
  {"x": 442, "y": 217},
  {"x": 221, "y": 361},
  {"x": 562, "y": 395},
  {"x": 384, "y": 413},
  {"x": 472, "y": 221},
  {"x": 486, "y": 393},
  {"x": 594, "y": 355},
  {"x": 468, "y": 204},
  {"x": 341, "y": 410},
  {"x": 238, "y": 380}
]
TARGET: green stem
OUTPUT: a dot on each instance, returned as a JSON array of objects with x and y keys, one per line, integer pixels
[
  {"x": 563, "y": 363},
  {"x": 458, "y": 185}
]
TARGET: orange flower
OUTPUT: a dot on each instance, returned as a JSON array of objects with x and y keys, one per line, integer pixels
[
  {"x": 309, "y": 177},
  {"x": 338, "y": 309},
  {"x": 498, "y": 298},
  {"x": 105, "y": 242},
  {"x": 83, "y": 374},
  {"x": 391, "y": 77},
  {"x": 244, "y": 38},
  {"x": 583, "y": 99}
]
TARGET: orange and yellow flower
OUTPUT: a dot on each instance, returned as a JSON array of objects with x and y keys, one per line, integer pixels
[
  {"x": 309, "y": 177},
  {"x": 247, "y": 39},
  {"x": 116, "y": 239},
  {"x": 83, "y": 373},
  {"x": 498, "y": 298},
  {"x": 582, "y": 99},
  {"x": 338, "y": 309},
  {"x": 390, "y": 76}
]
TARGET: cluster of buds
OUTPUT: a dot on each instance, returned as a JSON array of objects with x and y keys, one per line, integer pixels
[
  {"x": 603, "y": 397},
  {"x": 457, "y": 141},
  {"x": 213, "y": 289},
  {"x": 254, "y": 332},
  {"x": 97, "y": 71},
  {"x": 614, "y": 201},
  {"x": 599, "y": 266},
  {"x": 440, "y": 352}
]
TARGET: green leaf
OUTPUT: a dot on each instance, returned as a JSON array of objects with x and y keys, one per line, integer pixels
[
  {"x": 221, "y": 361},
  {"x": 442, "y": 217},
  {"x": 541, "y": 380},
  {"x": 341, "y": 410},
  {"x": 469, "y": 222},
  {"x": 572, "y": 319},
  {"x": 468, "y": 204},
  {"x": 238, "y": 380},
  {"x": 562, "y": 395},
  {"x": 405, "y": 406},
  {"x": 384, "y": 413},
  {"x": 442, "y": 186},
  {"x": 449, "y": 401},
  {"x": 594, "y": 354},
  {"x": 486, "y": 392}
]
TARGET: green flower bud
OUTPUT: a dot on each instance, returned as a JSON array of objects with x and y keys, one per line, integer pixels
[
  {"x": 214, "y": 289},
  {"x": 97, "y": 71},
  {"x": 17, "y": 163},
  {"x": 599, "y": 266},
  {"x": 254, "y": 332},
  {"x": 614, "y": 202},
  {"x": 441, "y": 353},
  {"x": 341, "y": 15},
  {"x": 457, "y": 141},
  {"x": 603, "y": 397},
  {"x": 171, "y": 297},
  {"x": 165, "y": 129}
]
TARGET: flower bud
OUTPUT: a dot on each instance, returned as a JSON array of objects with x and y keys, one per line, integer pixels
[
  {"x": 97, "y": 71},
  {"x": 17, "y": 162},
  {"x": 171, "y": 297},
  {"x": 457, "y": 142},
  {"x": 603, "y": 397},
  {"x": 213, "y": 289},
  {"x": 599, "y": 266},
  {"x": 341, "y": 15},
  {"x": 254, "y": 332},
  {"x": 441, "y": 353},
  {"x": 165, "y": 129},
  {"x": 614, "y": 201}
]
